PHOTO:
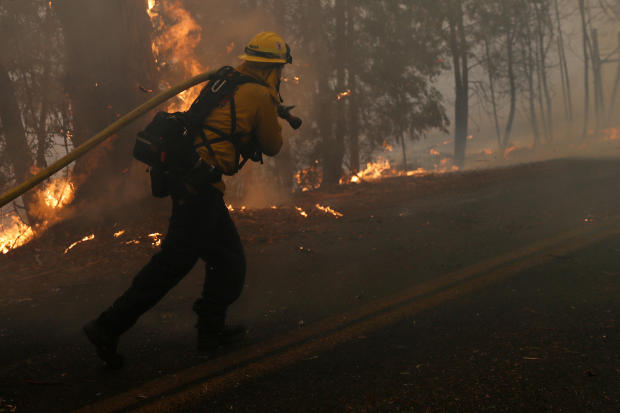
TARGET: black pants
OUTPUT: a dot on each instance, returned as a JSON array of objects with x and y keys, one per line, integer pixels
[{"x": 200, "y": 227}]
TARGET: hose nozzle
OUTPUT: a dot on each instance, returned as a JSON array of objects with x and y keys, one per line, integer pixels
[{"x": 285, "y": 113}]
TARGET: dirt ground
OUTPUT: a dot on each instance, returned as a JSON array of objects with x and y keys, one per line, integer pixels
[{"x": 394, "y": 234}]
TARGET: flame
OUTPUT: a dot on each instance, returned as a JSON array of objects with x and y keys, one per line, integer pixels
[
  {"x": 178, "y": 34},
  {"x": 230, "y": 207},
  {"x": 132, "y": 242},
  {"x": 328, "y": 210},
  {"x": 387, "y": 146},
  {"x": 309, "y": 178},
  {"x": 149, "y": 9},
  {"x": 382, "y": 169},
  {"x": 86, "y": 238},
  {"x": 14, "y": 234},
  {"x": 374, "y": 170},
  {"x": 56, "y": 194},
  {"x": 434, "y": 152},
  {"x": 301, "y": 212},
  {"x": 487, "y": 151},
  {"x": 119, "y": 233},
  {"x": 344, "y": 94},
  {"x": 509, "y": 149},
  {"x": 610, "y": 134},
  {"x": 156, "y": 237},
  {"x": 230, "y": 48}
]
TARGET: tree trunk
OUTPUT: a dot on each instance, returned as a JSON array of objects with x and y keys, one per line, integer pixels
[
  {"x": 529, "y": 68},
  {"x": 458, "y": 49},
  {"x": 612, "y": 98},
  {"x": 599, "y": 108},
  {"x": 546, "y": 108},
  {"x": 109, "y": 56},
  {"x": 568, "y": 104},
  {"x": 586, "y": 70},
  {"x": 404, "y": 149},
  {"x": 333, "y": 171},
  {"x": 513, "y": 88},
  {"x": 491, "y": 71},
  {"x": 353, "y": 117},
  {"x": 323, "y": 102},
  {"x": 15, "y": 136}
]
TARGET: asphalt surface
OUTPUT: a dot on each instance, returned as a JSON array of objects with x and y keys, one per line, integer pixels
[{"x": 481, "y": 291}]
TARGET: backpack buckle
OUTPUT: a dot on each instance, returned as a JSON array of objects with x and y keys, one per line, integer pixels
[{"x": 217, "y": 85}]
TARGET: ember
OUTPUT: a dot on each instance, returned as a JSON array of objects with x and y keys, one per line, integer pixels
[
  {"x": 328, "y": 210},
  {"x": 309, "y": 178},
  {"x": 301, "y": 212},
  {"x": 156, "y": 237},
  {"x": 344, "y": 94},
  {"x": 119, "y": 233},
  {"x": 86, "y": 238}
]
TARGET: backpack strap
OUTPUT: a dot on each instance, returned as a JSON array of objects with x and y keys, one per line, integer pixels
[{"x": 222, "y": 87}]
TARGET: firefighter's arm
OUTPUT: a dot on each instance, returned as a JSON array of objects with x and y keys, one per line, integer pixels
[{"x": 268, "y": 130}]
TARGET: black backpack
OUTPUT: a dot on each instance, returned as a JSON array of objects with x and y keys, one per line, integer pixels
[{"x": 167, "y": 142}]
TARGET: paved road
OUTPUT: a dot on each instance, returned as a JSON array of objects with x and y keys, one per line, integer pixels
[{"x": 477, "y": 292}]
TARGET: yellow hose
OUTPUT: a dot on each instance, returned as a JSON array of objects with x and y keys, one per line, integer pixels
[{"x": 101, "y": 136}]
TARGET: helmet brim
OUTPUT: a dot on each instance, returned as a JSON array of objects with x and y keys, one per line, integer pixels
[{"x": 260, "y": 59}]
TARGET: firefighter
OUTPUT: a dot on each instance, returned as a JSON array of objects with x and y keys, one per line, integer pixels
[{"x": 200, "y": 225}]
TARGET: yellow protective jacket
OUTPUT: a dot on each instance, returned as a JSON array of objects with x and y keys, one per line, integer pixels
[{"x": 256, "y": 113}]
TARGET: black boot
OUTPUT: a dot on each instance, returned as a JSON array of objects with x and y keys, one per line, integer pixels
[{"x": 105, "y": 344}]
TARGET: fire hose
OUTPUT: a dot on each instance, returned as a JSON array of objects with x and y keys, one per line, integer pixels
[{"x": 111, "y": 130}]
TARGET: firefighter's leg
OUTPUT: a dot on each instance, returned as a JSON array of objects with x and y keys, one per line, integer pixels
[
  {"x": 225, "y": 267},
  {"x": 176, "y": 258}
]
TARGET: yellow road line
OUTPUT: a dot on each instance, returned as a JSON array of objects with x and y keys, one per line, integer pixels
[{"x": 216, "y": 375}]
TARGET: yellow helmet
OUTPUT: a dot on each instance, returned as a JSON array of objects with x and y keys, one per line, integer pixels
[{"x": 267, "y": 47}]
